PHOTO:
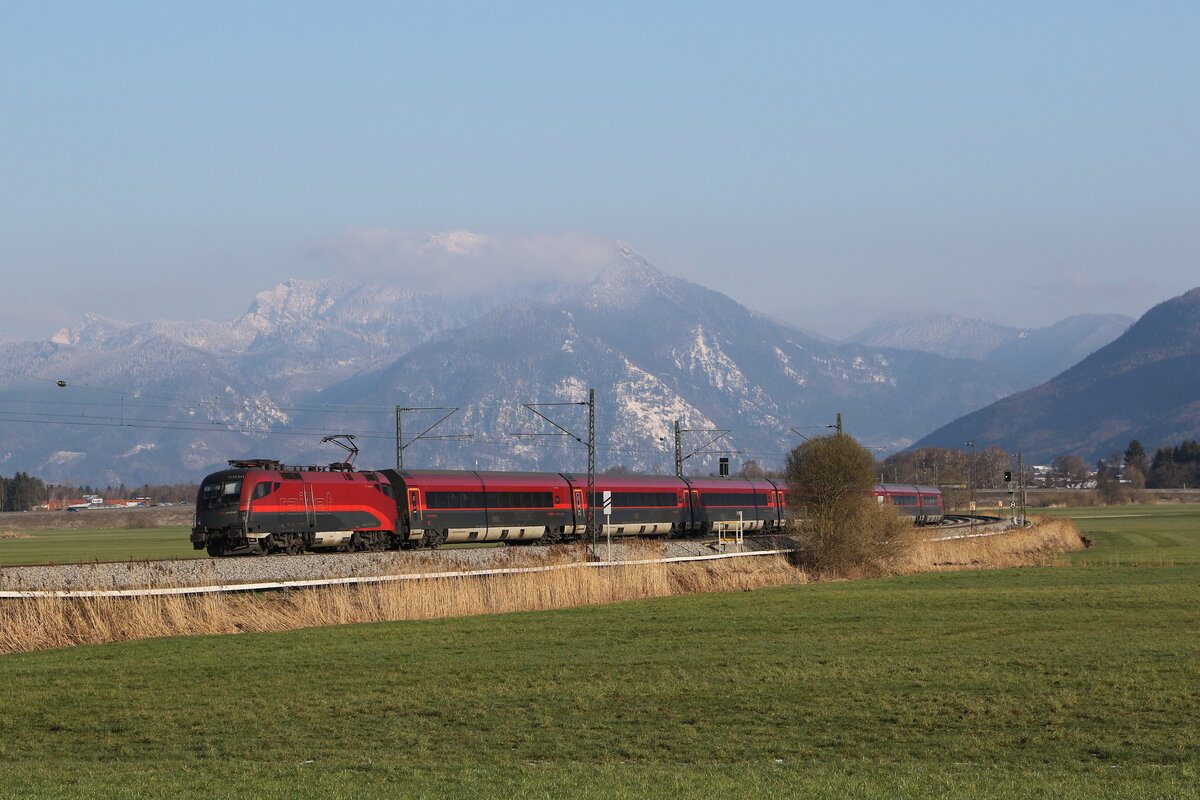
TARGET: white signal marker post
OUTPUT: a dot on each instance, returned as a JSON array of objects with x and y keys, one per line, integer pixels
[{"x": 608, "y": 521}]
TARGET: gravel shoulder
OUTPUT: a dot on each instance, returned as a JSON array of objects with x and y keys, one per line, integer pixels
[{"x": 317, "y": 566}]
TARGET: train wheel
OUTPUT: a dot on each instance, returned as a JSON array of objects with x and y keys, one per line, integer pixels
[
  {"x": 216, "y": 548},
  {"x": 433, "y": 540},
  {"x": 295, "y": 545}
]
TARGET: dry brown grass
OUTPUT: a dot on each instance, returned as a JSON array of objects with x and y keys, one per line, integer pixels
[
  {"x": 43, "y": 623},
  {"x": 14, "y": 535},
  {"x": 1041, "y": 545}
]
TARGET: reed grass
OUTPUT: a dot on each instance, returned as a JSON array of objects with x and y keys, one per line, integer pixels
[
  {"x": 29, "y": 624},
  {"x": 1042, "y": 545}
]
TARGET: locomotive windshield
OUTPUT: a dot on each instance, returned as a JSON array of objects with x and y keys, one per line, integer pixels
[{"x": 221, "y": 493}]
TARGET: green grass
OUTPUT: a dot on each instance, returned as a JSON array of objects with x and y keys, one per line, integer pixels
[
  {"x": 1137, "y": 535},
  {"x": 1079, "y": 682},
  {"x": 70, "y": 545}
]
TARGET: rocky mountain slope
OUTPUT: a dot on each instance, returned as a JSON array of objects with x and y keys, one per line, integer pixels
[
  {"x": 657, "y": 349},
  {"x": 1144, "y": 385}
]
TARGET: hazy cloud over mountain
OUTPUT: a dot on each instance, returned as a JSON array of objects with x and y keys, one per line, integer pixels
[{"x": 461, "y": 260}]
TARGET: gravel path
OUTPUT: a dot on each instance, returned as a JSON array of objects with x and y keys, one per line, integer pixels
[{"x": 316, "y": 566}]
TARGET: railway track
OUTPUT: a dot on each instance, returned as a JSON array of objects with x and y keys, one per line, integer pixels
[
  {"x": 951, "y": 521},
  {"x": 968, "y": 520}
]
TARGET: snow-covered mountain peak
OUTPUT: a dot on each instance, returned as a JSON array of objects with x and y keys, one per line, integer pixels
[
  {"x": 92, "y": 330},
  {"x": 627, "y": 281}
]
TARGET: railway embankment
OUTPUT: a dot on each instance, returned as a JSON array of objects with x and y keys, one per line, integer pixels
[{"x": 319, "y": 566}]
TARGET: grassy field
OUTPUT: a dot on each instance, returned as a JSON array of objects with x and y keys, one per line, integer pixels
[
  {"x": 1081, "y": 681},
  {"x": 993, "y": 684},
  {"x": 33, "y": 546},
  {"x": 1136, "y": 535}
]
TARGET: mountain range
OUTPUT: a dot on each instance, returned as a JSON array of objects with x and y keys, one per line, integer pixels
[
  {"x": 1144, "y": 385},
  {"x": 1028, "y": 356},
  {"x": 168, "y": 401}
]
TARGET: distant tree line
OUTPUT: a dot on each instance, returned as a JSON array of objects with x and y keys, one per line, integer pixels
[
  {"x": 1171, "y": 467},
  {"x": 21, "y": 492},
  {"x": 1175, "y": 467},
  {"x": 24, "y": 492},
  {"x": 941, "y": 466}
]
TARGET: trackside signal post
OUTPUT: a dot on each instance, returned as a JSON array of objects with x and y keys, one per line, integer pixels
[{"x": 608, "y": 520}]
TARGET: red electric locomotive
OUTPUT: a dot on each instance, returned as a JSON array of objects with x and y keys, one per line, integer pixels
[{"x": 261, "y": 506}]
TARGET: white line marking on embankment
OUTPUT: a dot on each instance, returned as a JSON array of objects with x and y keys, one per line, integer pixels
[{"x": 251, "y": 587}]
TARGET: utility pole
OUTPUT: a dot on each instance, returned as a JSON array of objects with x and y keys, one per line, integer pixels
[
  {"x": 591, "y": 512},
  {"x": 680, "y": 457},
  {"x": 590, "y": 444},
  {"x": 839, "y": 424},
  {"x": 678, "y": 450},
  {"x": 400, "y": 445},
  {"x": 971, "y": 479},
  {"x": 1022, "y": 490}
]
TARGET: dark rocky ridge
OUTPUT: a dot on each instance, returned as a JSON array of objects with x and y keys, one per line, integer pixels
[{"x": 1145, "y": 385}]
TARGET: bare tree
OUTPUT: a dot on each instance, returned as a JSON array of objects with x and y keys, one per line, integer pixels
[
  {"x": 842, "y": 528},
  {"x": 1068, "y": 472}
]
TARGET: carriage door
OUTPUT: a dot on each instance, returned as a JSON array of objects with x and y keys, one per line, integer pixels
[
  {"x": 579, "y": 517},
  {"x": 414, "y": 509}
]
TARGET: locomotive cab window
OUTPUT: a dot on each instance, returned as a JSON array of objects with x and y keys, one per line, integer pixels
[
  {"x": 221, "y": 493},
  {"x": 263, "y": 489}
]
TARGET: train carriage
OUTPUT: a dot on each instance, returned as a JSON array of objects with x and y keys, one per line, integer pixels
[
  {"x": 640, "y": 506},
  {"x": 725, "y": 504},
  {"x": 441, "y": 506},
  {"x": 922, "y": 503}
]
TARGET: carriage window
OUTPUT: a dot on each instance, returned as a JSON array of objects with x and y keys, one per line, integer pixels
[
  {"x": 644, "y": 499},
  {"x": 730, "y": 499}
]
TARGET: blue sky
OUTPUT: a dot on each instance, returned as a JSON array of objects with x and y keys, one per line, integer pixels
[{"x": 826, "y": 163}]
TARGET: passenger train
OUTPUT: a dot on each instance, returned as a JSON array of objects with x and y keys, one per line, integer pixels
[{"x": 263, "y": 506}]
